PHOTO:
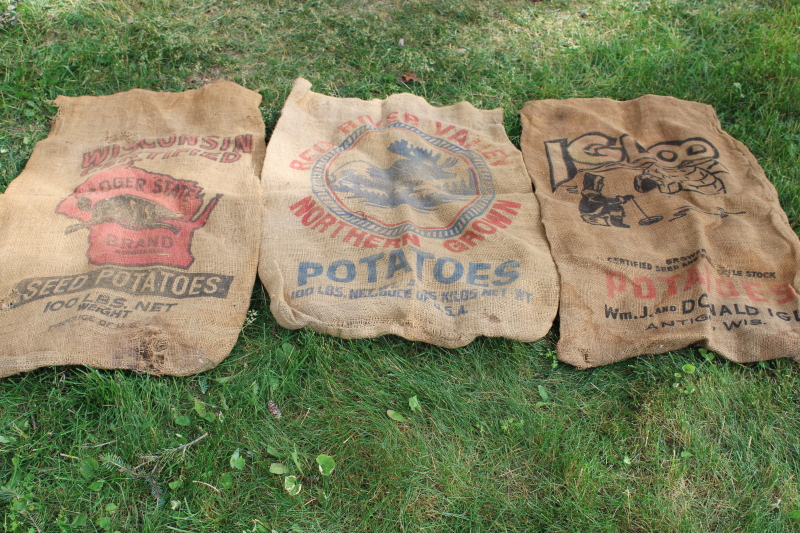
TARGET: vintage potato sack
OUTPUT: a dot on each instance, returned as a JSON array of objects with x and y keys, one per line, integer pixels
[
  {"x": 127, "y": 241},
  {"x": 394, "y": 216},
  {"x": 665, "y": 230}
]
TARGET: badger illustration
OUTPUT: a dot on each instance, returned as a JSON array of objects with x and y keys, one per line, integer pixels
[{"x": 131, "y": 212}]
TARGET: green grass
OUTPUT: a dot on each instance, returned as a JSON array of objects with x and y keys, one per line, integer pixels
[{"x": 615, "y": 449}]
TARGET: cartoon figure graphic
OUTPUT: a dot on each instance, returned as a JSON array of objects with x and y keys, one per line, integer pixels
[
  {"x": 598, "y": 209},
  {"x": 693, "y": 172},
  {"x": 136, "y": 217},
  {"x": 610, "y": 172}
]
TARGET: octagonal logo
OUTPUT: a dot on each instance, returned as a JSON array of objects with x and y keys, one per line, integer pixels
[{"x": 396, "y": 179}]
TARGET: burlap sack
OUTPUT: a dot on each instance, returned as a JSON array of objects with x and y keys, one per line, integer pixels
[
  {"x": 394, "y": 216},
  {"x": 664, "y": 229},
  {"x": 126, "y": 242}
]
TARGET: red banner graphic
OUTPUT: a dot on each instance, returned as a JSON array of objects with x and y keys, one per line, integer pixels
[{"x": 136, "y": 217}]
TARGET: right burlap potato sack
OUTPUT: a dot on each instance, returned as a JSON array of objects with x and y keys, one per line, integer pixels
[{"x": 664, "y": 229}]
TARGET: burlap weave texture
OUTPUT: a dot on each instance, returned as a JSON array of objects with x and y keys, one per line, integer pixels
[
  {"x": 665, "y": 230},
  {"x": 127, "y": 241},
  {"x": 395, "y": 216}
]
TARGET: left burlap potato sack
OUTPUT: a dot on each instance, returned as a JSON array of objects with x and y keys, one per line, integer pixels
[
  {"x": 125, "y": 241},
  {"x": 395, "y": 216}
]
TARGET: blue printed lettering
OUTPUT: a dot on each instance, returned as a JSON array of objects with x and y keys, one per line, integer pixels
[
  {"x": 421, "y": 257},
  {"x": 506, "y": 270},
  {"x": 473, "y": 276},
  {"x": 397, "y": 261},
  {"x": 445, "y": 270},
  {"x": 372, "y": 266},
  {"x": 307, "y": 270},
  {"x": 438, "y": 271},
  {"x": 350, "y": 269}
]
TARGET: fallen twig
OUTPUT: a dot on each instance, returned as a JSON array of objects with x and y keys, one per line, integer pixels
[
  {"x": 195, "y": 441},
  {"x": 99, "y": 445},
  {"x": 207, "y": 485}
]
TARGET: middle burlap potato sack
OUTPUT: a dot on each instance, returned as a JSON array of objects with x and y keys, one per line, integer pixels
[{"x": 394, "y": 216}]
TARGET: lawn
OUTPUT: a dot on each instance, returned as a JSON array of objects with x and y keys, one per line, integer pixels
[{"x": 496, "y": 436}]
